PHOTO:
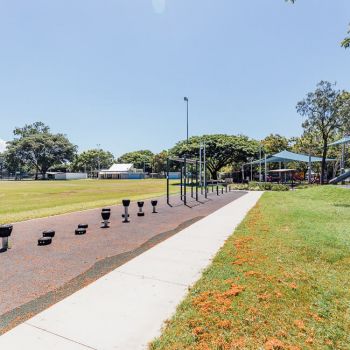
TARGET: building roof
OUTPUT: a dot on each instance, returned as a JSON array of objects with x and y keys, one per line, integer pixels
[
  {"x": 286, "y": 156},
  {"x": 121, "y": 167},
  {"x": 345, "y": 139}
]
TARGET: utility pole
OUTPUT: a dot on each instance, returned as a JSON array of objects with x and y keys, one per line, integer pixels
[
  {"x": 186, "y": 100},
  {"x": 200, "y": 167},
  {"x": 205, "y": 169}
]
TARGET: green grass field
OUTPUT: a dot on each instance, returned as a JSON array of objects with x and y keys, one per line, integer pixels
[
  {"x": 282, "y": 281},
  {"x": 22, "y": 200}
]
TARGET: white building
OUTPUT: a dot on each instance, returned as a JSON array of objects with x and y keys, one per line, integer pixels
[{"x": 122, "y": 171}]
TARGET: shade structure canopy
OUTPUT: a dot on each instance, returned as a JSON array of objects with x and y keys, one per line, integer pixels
[
  {"x": 345, "y": 139},
  {"x": 286, "y": 156},
  {"x": 282, "y": 171}
]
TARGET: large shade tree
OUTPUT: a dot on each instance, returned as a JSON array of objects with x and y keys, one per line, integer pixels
[
  {"x": 35, "y": 147},
  {"x": 93, "y": 159},
  {"x": 275, "y": 143},
  {"x": 326, "y": 112},
  {"x": 140, "y": 159},
  {"x": 221, "y": 150}
]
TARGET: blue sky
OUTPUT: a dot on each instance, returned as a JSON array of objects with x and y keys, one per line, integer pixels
[{"x": 114, "y": 72}]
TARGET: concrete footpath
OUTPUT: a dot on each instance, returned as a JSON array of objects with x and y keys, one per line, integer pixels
[{"x": 126, "y": 308}]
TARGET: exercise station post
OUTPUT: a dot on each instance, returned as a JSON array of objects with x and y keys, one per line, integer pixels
[{"x": 189, "y": 176}]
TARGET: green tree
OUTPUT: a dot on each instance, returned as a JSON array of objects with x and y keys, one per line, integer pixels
[
  {"x": 326, "y": 115},
  {"x": 139, "y": 159},
  {"x": 159, "y": 162},
  {"x": 34, "y": 146},
  {"x": 275, "y": 143},
  {"x": 346, "y": 42},
  {"x": 93, "y": 159},
  {"x": 311, "y": 143},
  {"x": 221, "y": 150}
]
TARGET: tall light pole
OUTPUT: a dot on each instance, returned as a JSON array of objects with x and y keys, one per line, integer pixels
[
  {"x": 186, "y": 100},
  {"x": 205, "y": 169},
  {"x": 200, "y": 166}
]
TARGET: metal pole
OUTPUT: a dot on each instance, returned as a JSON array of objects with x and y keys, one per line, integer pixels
[
  {"x": 167, "y": 182},
  {"x": 200, "y": 167},
  {"x": 309, "y": 170},
  {"x": 205, "y": 170},
  {"x": 265, "y": 169},
  {"x": 243, "y": 173},
  {"x": 342, "y": 170},
  {"x": 260, "y": 162},
  {"x": 280, "y": 174},
  {"x": 251, "y": 170},
  {"x": 186, "y": 100},
  {"x": 187, "y": 120},
  {"x": 197, "y": 180},
  {"x": 192, "y": 181},
  {"x": 181, "y": 182},
  {"x": 185, "y": 182}
]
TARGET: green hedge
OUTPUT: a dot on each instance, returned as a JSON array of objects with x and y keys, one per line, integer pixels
[{"x": 256, "y": 186}]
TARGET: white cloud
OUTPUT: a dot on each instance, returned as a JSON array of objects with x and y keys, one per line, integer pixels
[
  {"x": 2, "y": 145},
  {"x": 158, "y": 6}
]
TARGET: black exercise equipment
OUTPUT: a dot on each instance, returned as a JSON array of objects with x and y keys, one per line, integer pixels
[
  {"x": 44, "y": 241},
  {"x": 5, "y": 233},
  {"x": 126, "y": 203},
  {"x": 106, "y": 214},
  {"x": 5, "y": 230},
  {"x": 188, "y": 170},
  {"x": 49, "y": 233},
  {"x": 83, "y": 226},
  {"x": 154, "y": 205},
  {"x": 80, "y": 231},
  {"x": 140, "y": 205}
]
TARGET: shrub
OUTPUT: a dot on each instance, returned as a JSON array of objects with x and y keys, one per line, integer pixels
[{"x": 264, "y": 186}]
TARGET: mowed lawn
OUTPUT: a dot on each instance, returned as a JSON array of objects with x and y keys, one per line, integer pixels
[
  {"x": 21, "y": 200},
  {"x": 282, "y": 281}
]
